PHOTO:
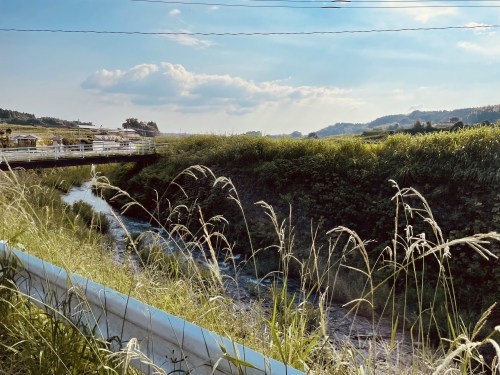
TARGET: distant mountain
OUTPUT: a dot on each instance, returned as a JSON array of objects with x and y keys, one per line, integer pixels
[
  {"x": 466, "y": 115},
  {"x": 21, "y": 118},
  {"x": 341, "y": 128}
]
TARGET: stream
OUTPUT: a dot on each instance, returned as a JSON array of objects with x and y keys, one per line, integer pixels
[{"x": 342, "y": 328}]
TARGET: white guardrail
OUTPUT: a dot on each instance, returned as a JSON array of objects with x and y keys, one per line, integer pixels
[
  {"x": 29, "y": 154},
  {"x": 169, "y": 342}
]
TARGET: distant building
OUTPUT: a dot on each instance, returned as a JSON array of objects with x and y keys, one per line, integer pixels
[
  {"x": 24, "y": 140},
  {"x": 105, "y": 142},
  {"x": 57, "y": 140},
  {"x": 130, "y": 134},
  {"x": 90, "y": 127}
]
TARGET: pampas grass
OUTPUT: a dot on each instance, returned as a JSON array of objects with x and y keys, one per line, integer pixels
[{"x": 290, "y": 324}]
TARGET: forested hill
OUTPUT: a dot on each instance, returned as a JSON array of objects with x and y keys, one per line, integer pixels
[
  {"x": 477, "y": 115},
  {"x": 21, "y": 118},
  {"x": 466, "y": 115},
  {"x": 149, "y": 129}
]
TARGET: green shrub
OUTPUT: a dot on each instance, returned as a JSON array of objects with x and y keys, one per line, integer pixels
[
  {"x": 337, "y": 182},
  {"x": 397, "y": 283}
]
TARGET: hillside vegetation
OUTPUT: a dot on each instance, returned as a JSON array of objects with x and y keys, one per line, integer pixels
[
  {"x": 323, "y": 184},
  {"x": 21, "y": 118},
  {"x": 286, "y": 326},
  {"x": 490, "y": 114}
]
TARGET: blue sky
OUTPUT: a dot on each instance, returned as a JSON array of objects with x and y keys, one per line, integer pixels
[{"x": 227, "y": 84}]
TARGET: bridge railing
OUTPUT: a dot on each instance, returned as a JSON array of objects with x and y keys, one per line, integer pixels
[
  {"x": 29, "y": 154},
  {"x": 171, "y": 343}
]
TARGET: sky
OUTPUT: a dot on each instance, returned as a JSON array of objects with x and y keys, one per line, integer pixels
[{"x": 275, "y": 84}]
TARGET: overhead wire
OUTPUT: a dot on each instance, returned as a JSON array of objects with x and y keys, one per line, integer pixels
[
  {"x": 327, "y": 32},
  {"x": 231, "y": 5},
  {"x": 258, "y": 33},
  {"x": 344, "y": 4},
  {"x": 374, "y": 1}
]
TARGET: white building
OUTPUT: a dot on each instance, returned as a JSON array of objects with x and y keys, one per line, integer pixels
[{"x": 105, "y": 143}]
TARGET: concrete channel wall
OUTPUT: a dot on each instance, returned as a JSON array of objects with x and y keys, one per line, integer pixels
[{"x": 169, "y": 342}]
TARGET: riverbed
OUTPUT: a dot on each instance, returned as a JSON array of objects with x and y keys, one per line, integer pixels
[{"x": 342, "y": 329}]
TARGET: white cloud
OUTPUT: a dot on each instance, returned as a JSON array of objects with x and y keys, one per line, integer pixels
[
  {"x": 190, "y": 40},
  {"x": 486, "y": 42},
  {"x": 185, "y": 91},
  {"x": 481, "y": 28},
  {"x": 102, "y": 78},
  {"x": 476, "y": 24},
  {"x": 424, "y": 14},
  {"x": 184, "y": 37},
  {"x": 415, "y": 107},
  {"x": 175, "y": 12},
  {"x": 487, "y": 48}
]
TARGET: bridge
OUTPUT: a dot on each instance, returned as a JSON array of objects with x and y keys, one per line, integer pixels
[{"x": 72, "y": 155}]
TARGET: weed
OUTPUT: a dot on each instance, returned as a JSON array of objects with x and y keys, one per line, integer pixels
[{"x": 290, "y": 323}]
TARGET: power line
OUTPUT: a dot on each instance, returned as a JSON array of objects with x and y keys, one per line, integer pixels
[
  {"x": 326, "y": 6},
  {"x": 233, "y": 5},
  {"x": 374, "y": 1},
  {"x": 405, "y": 6},
  {"x": 168, "y": 33}
]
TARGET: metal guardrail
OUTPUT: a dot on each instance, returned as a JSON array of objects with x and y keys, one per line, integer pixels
[
  {"x": 171, "y": 343},
  {"x": 28, "y": 154}
]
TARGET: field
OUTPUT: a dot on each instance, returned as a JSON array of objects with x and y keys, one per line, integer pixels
[{"x": 47, "y": 133}]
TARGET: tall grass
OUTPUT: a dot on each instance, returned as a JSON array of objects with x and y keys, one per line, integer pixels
[
  {"x": 297, "y": 327},
  {"x": 34, "y": 219},
  {"x": 291, "y": 324},
  {"x": 93, "y": 220},
  {"x": 43, "y": 341},
  {"x": 65, "y": 178}
]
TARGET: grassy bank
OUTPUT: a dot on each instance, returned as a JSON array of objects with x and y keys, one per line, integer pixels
[
  {"x": 338, "y": 182},
  {"x": 35, "y": 219},
  {"x": 289, "y": 328}
]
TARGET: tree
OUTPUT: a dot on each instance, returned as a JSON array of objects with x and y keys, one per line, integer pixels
[
  {"x": 149, "y": 129},
  {"x": 254, "y": 133},
  {"x": 393, "y": 127},
  {"x": 312, "y": 135},
  {"x": 458, "y": 125},
  {"x": 5, "y": 138},
  {"x": 131, "y": 123},
  {"x": 152, "y": 125},
  {"x": 418, "y": 127}
]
